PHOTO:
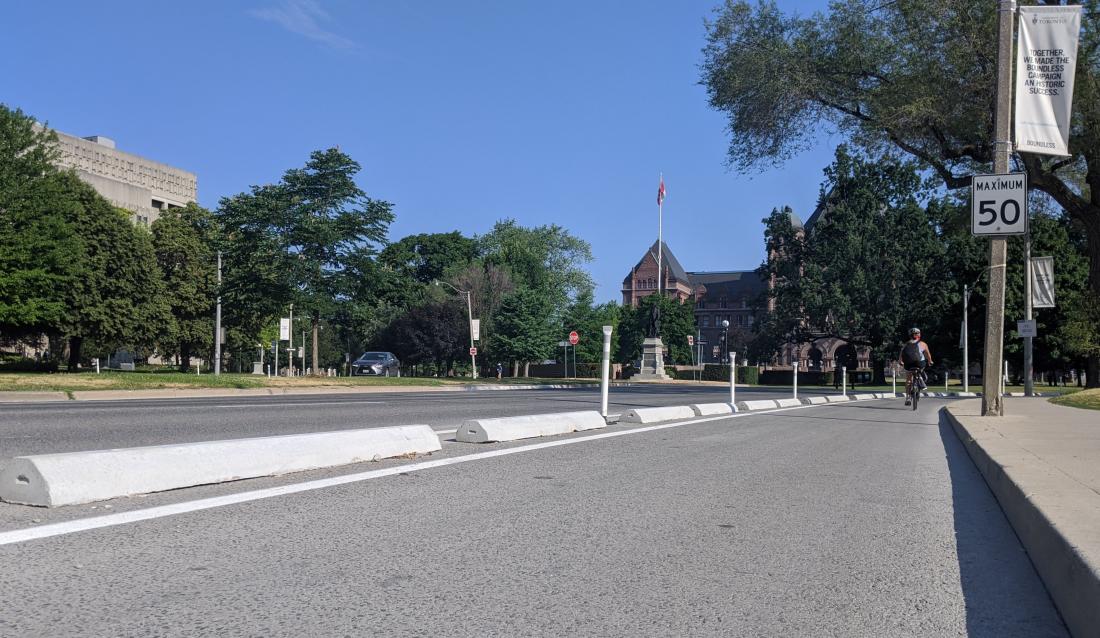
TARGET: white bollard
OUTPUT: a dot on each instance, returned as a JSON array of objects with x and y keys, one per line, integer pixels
[
  {"x": 97, "y": 365},
  {"x": 946, "y": 378},
  {"x": 844, "y": 380},
  {"x": 733, "y": 378},
  {"x": 605, "y": 370},
  {"x": 796, "y": 379},
  {"x": 894, "y": 380}
]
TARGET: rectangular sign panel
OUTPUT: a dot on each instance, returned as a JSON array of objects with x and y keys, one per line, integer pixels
[
  {"x": 1042, "y": 282},
  {"x": 1046, "y": 59},
  {"x": 284, "y": 329},
  {"x": 475, "y": 329},
  {"x": 999, "y": 204},
  {"x": 1027, "y": 328}
]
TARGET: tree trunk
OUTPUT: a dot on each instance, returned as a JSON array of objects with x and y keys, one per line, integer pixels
[
  {"x": 526, "y": 369},
  {"x": 185, "y": 357},
  {"x": 74, "y": 352},
  {"x": 515, "y": 369}
]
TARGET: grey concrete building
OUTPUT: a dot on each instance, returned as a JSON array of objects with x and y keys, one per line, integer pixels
[{"x": 129, "y": 181}]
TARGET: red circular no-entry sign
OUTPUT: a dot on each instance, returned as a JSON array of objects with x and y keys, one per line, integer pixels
[{"x": 574, "y": 338}]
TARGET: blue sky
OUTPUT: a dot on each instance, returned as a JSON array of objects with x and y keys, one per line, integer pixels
[{"x": 461, "y": 113}]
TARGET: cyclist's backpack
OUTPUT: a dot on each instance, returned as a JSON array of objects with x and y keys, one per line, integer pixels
[{"x": 910, "y": 354}]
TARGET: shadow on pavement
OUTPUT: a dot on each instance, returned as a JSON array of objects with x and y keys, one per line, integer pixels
[{"x": 1003, "y": 593}]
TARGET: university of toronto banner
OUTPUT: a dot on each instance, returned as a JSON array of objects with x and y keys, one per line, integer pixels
[
  {"x": 1046, "y": 59},
  {"x": 1042, "y": 282}
]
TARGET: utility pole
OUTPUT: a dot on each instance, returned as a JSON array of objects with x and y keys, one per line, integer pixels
[
  {"x": 1029, "y": 384},
  {"x": 290, "y": 346},
  {"x": 217, "y": 323},
  {"x": 992, "y": 401}
]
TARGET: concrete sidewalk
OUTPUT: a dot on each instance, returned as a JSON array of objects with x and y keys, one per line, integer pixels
[{"x": 1042, "y": 462}]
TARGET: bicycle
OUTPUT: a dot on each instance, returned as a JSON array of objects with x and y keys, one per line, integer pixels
[{"x": 920, "y": 382}]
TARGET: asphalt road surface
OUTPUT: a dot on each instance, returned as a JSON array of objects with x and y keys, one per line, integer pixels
[
  {"x": 71, "y": 426},
  {"x": 861, "y": 519}
]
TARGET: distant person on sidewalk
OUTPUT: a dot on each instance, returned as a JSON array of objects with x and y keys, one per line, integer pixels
[{"x": 500, "y": 370}]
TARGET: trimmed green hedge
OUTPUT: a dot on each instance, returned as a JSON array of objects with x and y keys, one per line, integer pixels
[{"x": 745, "y": 374}]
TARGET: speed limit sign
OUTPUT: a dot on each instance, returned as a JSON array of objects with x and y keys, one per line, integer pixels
[
  {"x": 691, "y": 340},
  {"x": 999, "y": 204}
]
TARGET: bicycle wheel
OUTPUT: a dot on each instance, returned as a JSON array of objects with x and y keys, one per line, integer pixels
[{"x": 916, "y": 394}]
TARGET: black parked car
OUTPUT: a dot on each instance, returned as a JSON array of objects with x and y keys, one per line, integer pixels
[{"x": 378, "y": 364}]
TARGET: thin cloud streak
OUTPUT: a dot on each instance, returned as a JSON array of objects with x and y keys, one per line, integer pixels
[{"x": 302, "y": 17}]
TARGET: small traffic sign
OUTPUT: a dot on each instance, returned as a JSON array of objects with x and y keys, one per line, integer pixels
[
  {"x": 998, "y": 204},
  {"x": 691, "y": 340},
  {"x": 1027, "y": 328},
  {"x": 574, "y": 338},
  {"x": 473, "y": 352},
  {"x": 716, "y": 350}
]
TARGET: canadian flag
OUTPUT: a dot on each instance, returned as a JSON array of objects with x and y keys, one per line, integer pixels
[{"x": 661, "y": 192}]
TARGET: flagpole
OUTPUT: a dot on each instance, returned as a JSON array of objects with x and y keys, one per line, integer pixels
[{"x": 660, "y": 235}]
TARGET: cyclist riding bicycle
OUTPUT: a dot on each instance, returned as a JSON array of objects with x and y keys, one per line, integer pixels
[{"x": 915, "y": 357}]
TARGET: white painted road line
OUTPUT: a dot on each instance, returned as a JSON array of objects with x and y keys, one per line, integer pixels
[{"x": 122, "y": 518}]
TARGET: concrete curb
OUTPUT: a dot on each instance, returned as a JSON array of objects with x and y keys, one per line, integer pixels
[
  {"x": 711, "y": 409},
  {"x": 656, "y": 415},
  {"x": 837, "y": 398},
  {"x": 758, "y": 404},
  {"x": 511, "y": 428},
  {"x": 71, "y": 478},
  {"x": 1030, "y": 492},
  {"x": 815, "y": 401},
  {"x": 788, "y": 403},
  {"x": 31, "y": 397}
]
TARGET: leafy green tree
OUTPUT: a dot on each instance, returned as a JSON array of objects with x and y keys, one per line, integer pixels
[
  {"x": 525, "y": 330},
  {"x": 290, "y": 242},
  {"x": 546, "y": 258},
  {"x": 869, "y": 267},
  {"x": 185, "y": 241},
  {"x": 588, "y": 319},
  {"x": 118, "y": 298},
  {"x": 37, "y": 244},
  {"x": 434, "y": 332},
  {"x": 425, "y": 257},
  {"x": 913, "y": 76}
]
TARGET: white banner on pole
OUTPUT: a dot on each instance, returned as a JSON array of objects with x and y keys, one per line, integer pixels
[
  {"x": 1042, "y": 282},
  {"x": 1046, "y": 60},
  {"x": 284, "y": 329},
  {"x": 475, "y": 329}
]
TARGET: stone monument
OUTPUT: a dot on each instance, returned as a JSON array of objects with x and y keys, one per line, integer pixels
[{"x": 653, "y": 351}]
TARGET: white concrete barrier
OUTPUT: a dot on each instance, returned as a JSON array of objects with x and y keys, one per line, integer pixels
[
  {"x": 966, "y": 394},
  {"x": 656, "y": 415},
  {"x": 511, "y": 428},
  {"x": 82, "y": 477},
  {"x": 759, "y": 404},
  {"x": 711, "y": 409},
  {"x": 814, "y": 400},
  {"x": 864, "y": 397},
  {"x": 837, "y": 398},
  {"x": 788, "y": 403}
]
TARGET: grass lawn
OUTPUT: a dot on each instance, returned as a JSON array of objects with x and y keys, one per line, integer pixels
[
  {"x": 1088, "y": 399},
  {"x": 160, "y": 379}
]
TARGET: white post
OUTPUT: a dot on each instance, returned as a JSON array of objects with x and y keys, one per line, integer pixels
[
  {"x": 796, "y": 379},
  {"x": 894, "y": 379},
  {"x": 844, "y": 380},
  {"x": 218, "y": 323},
  {"x": 276, "y": 348},
  {"x": 946, "y": 379},
  {"x": 97, "y": 365},
  {"x": 733, "y": 378},
  {"x": 290, "y": 346},
  {"x": 605, "y": 370},
  {"x": 966, "y": 340},
  {"x": 470, "y": 316}
]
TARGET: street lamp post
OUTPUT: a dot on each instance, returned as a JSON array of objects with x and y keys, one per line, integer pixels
[
  {"x": 725, "y": 337},
  {"x": 470, "y": 317},
  {"x": 217, "y": 324}
]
